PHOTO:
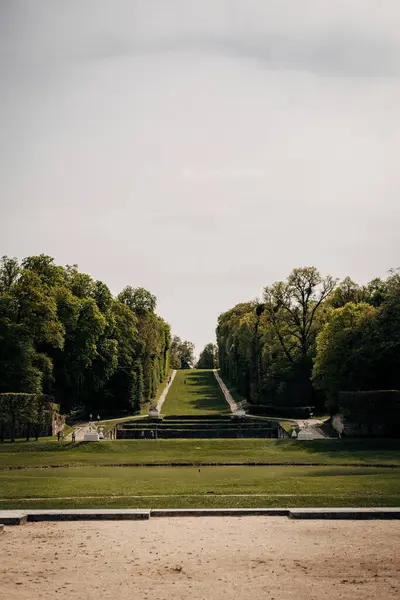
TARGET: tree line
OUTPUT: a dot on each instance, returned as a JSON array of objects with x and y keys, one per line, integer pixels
[
  {"x": 182, "y": 353},
  {"x": 208, "y": 358},
  {"x": 63, "y": 333},
  {"x": 310, "y": 338}
]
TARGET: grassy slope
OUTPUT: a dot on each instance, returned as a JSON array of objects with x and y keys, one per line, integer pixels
[
  {"x": 186, "y": 486},
  {"x": 200, "y": 395},
  {"x": 224, "y": 451}
]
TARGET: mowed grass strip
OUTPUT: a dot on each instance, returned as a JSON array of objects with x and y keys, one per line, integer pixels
[
  {"x": 211, "y": 486},
  {"x": 200, "y": 395},
  {"x": 206, "y": 451}
]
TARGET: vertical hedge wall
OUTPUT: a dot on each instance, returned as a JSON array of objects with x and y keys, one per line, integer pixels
[{"x": 26, "y": 415}]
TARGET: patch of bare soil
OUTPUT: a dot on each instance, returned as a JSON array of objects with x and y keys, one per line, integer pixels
[{"x": 202, "y": 558}]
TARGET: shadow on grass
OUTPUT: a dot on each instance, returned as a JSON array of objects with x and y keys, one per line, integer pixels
[
  {"x": 51, "y": 446},
  {"x": 368, "y": 448},
  {"x": 204, "y": 393}
]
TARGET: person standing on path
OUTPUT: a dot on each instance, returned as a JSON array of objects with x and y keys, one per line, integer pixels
[{"x": 73, "y": 436}]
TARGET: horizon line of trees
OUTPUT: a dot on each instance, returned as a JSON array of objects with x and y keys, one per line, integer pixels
[
  {"x": 311, "y": 338},
  {"x": 63, "y": 333},
  {"x": 182, "y": 353},
  {"x": 208, "y": 358}
]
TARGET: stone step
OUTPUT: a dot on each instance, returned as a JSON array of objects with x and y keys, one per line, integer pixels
[
  {"x": 13, "y": 517},
  {"x": 219, "y": 512},
  {"x": 345, "y": 513},
  {"x": 89, "y": 514}
]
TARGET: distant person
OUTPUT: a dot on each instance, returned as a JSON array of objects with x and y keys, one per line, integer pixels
[
  {"x": 58, "y": 436},
  {"x": 152, "y": 434},
  {"x": 184, "y": 381},
  {"x": 62, "y": 435},
  {"x": 73, "y": 436},
  {"x": 142, "y": 435}
]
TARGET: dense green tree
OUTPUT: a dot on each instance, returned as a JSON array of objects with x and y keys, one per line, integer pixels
[
  {"x": 309, "y": 340},
  {"x": 62, "y": 333},
  {"x": 359, "y": 348},
  {"x": 9, "y": 271},
  {"x": 137, "y": 387},
  {"x": 175, "y": 352},
  {"x": 18, "y": 369},
  {"x": 187, "y": 355},
  {"x": 346, "y": 291},
  {"x": 208, "y": 358},
  {"x": 338, "y": 364},
  {"x": 43, "y": 265},
  {"x": 182, "y": 354},
  {"x": 139, "y": 300},
  {"x": 293, "y": 306}
]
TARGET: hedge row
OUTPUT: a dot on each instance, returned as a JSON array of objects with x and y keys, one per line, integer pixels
[
  {"x": 291, "y": 412},
  {"x": 26, "y": 415},
  {"x": 370, "y": 406},
  {"x": 371, "y": 413}
]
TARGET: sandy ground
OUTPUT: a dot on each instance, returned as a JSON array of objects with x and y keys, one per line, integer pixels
[{"x": 202, "y": 558}]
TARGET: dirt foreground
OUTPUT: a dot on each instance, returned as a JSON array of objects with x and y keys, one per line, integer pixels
[{"x": 202, "y": 558}]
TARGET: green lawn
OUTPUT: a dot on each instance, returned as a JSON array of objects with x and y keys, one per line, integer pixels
[
  {"x": 325, "y": 472},
  {"x": 212, "y": 486},
  {"x": 200, "y": 394},
  {"x": 205, "y": 451}
]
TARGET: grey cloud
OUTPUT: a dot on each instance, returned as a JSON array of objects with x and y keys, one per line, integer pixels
[
  {"x": 324, "y": 39},
  {"x": 347, "y": 55},
  {"x": 201, "y": 149}
]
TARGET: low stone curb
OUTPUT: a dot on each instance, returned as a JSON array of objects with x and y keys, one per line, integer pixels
[
  {"x": 14, "y": 517},
  {"x": 219, "y": 512},
  {"x": 89, "y": 515},
  {"x": 345, "y": 513}
]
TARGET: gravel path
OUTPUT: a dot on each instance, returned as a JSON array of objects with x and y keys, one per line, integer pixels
[
  {"x": 165, "y": 392},
  {"x": 312, "y": 426},
  {"x": 196, "y": 558},
  {"x": 232, "y": 404}
]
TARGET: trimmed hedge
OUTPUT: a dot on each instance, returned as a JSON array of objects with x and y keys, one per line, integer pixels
[
  {"x": 375, "y": 412},
  {"x": 26, "y": 415},
  {"x": 291, "y": 412}
]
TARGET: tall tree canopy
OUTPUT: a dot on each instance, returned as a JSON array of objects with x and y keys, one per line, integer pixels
[
  {"x": 311, "y": 338},
  {"x": 208, "y": 358},
  {"x": 63, "y": 333},
  {"x": 182, "y": 353}
]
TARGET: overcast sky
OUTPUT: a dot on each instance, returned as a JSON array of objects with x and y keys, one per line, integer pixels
[{"x": 201, "y": 149}]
